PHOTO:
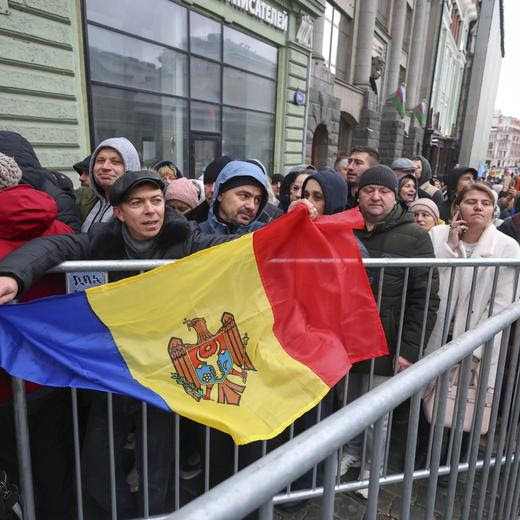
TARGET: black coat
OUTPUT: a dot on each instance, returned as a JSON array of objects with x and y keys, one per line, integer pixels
[
  {"x": 400, "y": 237},
  {"x": 16, "y": 146},
  {"x": 199, "y": 213},
  {"x": 178, "y": 238}
]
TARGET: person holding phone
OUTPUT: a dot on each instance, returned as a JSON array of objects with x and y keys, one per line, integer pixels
[{"x": 472, "y": 234}]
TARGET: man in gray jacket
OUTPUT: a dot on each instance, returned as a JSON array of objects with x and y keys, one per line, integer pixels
[{"x": 111, "y": 159}]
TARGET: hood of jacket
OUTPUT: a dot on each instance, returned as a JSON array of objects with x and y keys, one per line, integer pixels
[
  {"x": 453, "y": 177},
  {"x": 27, "y": 213},
  {"x": 20, "y": 149},
  {"x": 231, "y": 170},
  {"x": 402, "y": 179},
  {"x": 335, "y": 190},
  {"x": 426, "y": 169},
  {"x": 127, "y": 152}
]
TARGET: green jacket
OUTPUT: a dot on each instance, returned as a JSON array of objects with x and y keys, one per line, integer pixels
[
  {"x": 85, "y": 200},
  {"x": 400, "y": 237}
]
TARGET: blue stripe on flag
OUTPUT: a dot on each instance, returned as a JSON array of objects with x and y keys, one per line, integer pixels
[{"x": 60, "y": 341}]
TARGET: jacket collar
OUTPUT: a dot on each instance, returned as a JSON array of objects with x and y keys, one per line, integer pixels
[{"x": 107, "y": 238}]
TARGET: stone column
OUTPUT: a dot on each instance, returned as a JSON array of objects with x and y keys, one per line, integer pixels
[
  {"x": 394, "y": 60},
  {"x": 416, "y": 56},
  {"x": 365, "y": 39},
  {"x": 317, "y": 37}
]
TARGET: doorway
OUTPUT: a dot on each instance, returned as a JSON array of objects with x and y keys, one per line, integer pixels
[
  {"x": 203, "y": 149},
  {"x": 320, "y": 146}
]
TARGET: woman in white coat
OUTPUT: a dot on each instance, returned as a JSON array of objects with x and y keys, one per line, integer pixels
[{"x": 472, "y": 235}]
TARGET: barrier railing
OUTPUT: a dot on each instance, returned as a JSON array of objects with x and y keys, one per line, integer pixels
[
  {"x": 257, "y": 485},
  {"x": 326, "y": 439}
]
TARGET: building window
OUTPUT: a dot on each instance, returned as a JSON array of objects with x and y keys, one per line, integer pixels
[
  {"x": 162, "y": 74},
  {"x": 407, "y": 29},
  {"x": 383, "y": 6},
  {"x": 337, "y": 41},
  {"x": 455, "y": 22}
]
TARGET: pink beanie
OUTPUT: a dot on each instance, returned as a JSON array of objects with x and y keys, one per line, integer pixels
[
  {"x": 426, "y": 205},
  {"x": 183, "y": 189}
]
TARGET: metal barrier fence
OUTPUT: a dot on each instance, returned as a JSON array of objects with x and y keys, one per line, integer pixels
[{"x": 491, "y": 458}]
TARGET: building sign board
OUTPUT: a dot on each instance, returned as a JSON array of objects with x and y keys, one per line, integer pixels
[{"x": 263, "y": 11}]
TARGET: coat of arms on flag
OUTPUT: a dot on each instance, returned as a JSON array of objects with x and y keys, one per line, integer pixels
[{"x": 211, "y": 361}]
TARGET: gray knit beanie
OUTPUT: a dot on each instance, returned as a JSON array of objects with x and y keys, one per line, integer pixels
[
  {"x": 10, "y": 173},
  {"x": 380, "y": 175}
]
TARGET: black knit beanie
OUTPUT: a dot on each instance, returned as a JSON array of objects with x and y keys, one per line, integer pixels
[
  {"x": 240, "y": 180},
  {"x": 214, "y": 168},
  {"x": 380, "y": 175}
]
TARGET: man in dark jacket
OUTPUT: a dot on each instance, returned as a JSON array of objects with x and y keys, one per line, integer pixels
[
  {"x": 391, "y": 232},
  {"x": 16, "y": 146},
  {"x": 211, "y": 172},
  {"x": 352, "y": 167},
  {"x": 423, "y": 172},
  {"x": 455, "y": 181},
  {"x": 143, "y": 229}
]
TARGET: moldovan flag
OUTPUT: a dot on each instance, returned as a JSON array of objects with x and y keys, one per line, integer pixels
[{"x": 244, "y": 337}]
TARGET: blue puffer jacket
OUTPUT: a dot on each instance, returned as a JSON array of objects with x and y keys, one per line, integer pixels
[{"x": 235, "y": 169}]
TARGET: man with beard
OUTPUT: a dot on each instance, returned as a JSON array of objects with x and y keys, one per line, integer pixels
[{"x": 238, "y": 200}]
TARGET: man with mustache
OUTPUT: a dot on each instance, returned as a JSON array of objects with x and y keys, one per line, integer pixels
[{"x": 239, "y": 198}]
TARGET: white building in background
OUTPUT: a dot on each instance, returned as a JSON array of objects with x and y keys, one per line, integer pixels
[
  {"x": 504, "y": 142},
  {"x": 453, "y": 59},
  {"x": 485, "y": 73}
]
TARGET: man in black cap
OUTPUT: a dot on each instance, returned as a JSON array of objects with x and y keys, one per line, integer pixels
[
  {"x": 143, "y": 228},
  {"x": 200, "y": 213},
  {"x": 85, "y": 197},
  {"x": 390, "y": 231},
  {"x": 81, "y": 168}
]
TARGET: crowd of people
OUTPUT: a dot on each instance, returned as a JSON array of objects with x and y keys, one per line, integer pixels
[{"x": 124, "y": 211}]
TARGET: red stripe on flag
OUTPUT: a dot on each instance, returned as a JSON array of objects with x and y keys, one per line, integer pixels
[{"x": 325, "y": 315}]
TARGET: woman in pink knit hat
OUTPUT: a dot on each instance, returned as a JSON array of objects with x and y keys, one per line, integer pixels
[
  {"x": 182, "y": 195},
  {"x": 426, "y": 213}
]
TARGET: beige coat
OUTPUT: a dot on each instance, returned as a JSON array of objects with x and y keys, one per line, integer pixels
[{"x": 492, "y": 244}]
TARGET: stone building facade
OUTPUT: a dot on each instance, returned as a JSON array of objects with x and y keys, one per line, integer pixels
[{"x": 419, "y": 44}]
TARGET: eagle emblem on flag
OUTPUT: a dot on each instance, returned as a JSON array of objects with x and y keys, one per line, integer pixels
[{"x": 201, "y": 366}]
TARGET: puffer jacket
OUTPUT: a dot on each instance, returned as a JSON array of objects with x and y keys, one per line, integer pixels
[
  {"x": 16, "y": 146},
  {"x": 398, "y": 236},
  {"x": 26, "y": 213}
]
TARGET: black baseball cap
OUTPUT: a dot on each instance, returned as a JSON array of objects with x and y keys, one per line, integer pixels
[
  {"x": 82, "y": 165},
  {"x": 128, "y": 181}
]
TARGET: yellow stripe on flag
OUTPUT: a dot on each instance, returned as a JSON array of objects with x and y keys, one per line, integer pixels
[{"x": 146, "y": 311}]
